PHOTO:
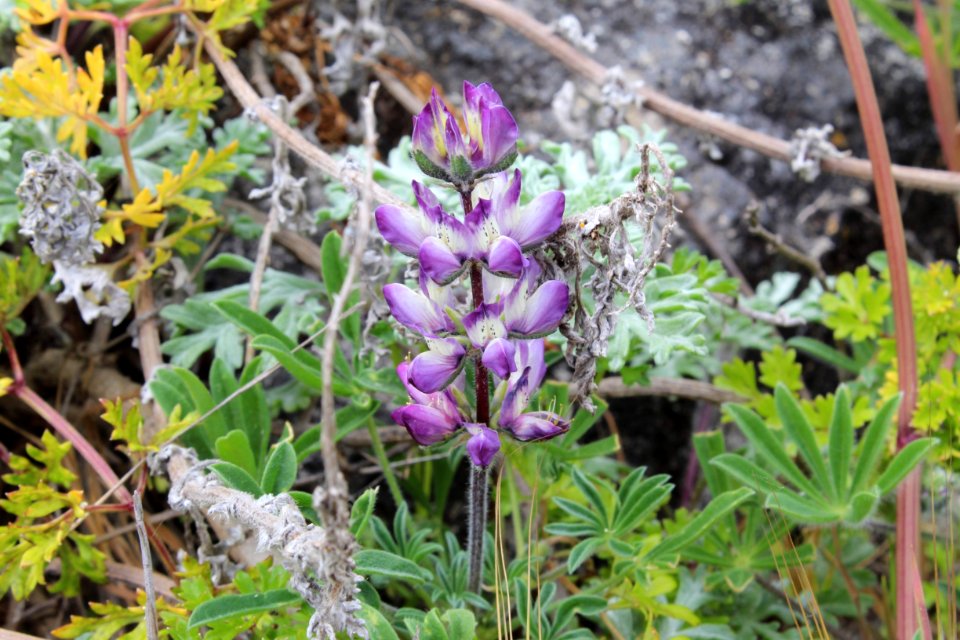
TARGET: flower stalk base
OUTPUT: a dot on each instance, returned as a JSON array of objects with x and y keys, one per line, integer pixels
[{"x": 477, "y": 497}]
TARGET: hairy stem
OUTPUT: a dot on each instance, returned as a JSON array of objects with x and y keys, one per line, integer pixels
[{"x": 478, "y": 495}]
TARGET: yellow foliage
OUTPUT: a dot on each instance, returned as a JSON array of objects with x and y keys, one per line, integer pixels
[
  {"x": 192, "y": 90},
  {"x": 38, "y": 11},
  {"x": 42, "y": 87}
]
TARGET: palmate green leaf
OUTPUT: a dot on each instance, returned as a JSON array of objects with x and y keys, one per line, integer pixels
[
  {"x": 768, "y": 447},
  {"x": 589, "y": 491},
  {"x": 302, "y": 365},
  {"x": 580, "y": 512},
  {"x": 173, "y": 387},
  {"x": 235, "y": 605},
  {"x": 872, "y": 444},
  {"x": 581, "y": 552},
  {"x": 903, "y": 463},
  {"x": 798, "y": 428},
  {"x": 635, "y": 505},
  {"x": 247, "y": 412},
  {"x": 717, "y": 508},
  {"x": 841, "y": 442}
]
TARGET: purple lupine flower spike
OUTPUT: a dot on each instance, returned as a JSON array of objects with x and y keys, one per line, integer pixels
[
  {"x": 440, "y": 149},
  {"x": 483, "y": 445},
  {"x": 528, "y": 425}
]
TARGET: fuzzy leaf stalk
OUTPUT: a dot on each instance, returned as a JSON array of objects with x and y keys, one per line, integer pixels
[{"x": 483, "y": 305}]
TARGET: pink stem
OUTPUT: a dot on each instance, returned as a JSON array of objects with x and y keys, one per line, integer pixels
[{"x": 908, "y": 494}]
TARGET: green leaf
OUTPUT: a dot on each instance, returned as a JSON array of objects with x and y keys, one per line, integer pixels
[
  {"x": 232, "y": 605},
  {"x": 361, "y": 511},
  {"x": 708, "y": 445},
  {"x": 769, "y": 447},
  {"x": 376, "y": 624},
  {"x": 374, "y": 562},
  {"x": 591, "y": 494},
  {"x": 903, "y": 463},
  {"x": 251, "y": 322},
  {"x": 862, "y": 505},
  {"x": 841, "y": 442},
  {"x": 235, "y": 447},
  {"x": 580, "y": 512},
  {"x": 333, "y": 263},
  {"x": 236, "y": 478},
  {"x": 304, "y": 501},
  {"x": 256, "y": 414},
  {"x": 303, "y": 366},
  {"x": 280, "y": 471},
  {"x": 633, "y": 508},
  {"x": 747, "y": 472},
  {"x": 871, "y": 445},
  {"x": 801, "y": 508},
  {"x": 461, "y": 624},
  {"x": 581, "y": 552},
  {"x": 716, "y": 509},
  {"x": 825, "y": 353},
  {"x": 796, "y": 425}
]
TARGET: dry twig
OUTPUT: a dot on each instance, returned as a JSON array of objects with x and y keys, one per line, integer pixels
[
  {"x": 810, "y": 263},
  {"x": 544, "y": 37}
]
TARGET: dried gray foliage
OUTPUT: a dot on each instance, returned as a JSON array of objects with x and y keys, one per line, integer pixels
[
  {"x": 61, "y": 211},
  {"x": 358, "y": 41},
  {"x": 569, "y": 28},
  {"x": 288, "y": 202},
  {"x": 93, "y": 289},
  {"x": 808, "y": 147},
  {"x": 319, "y": 559},
  {"x": 597, "y": 245}
]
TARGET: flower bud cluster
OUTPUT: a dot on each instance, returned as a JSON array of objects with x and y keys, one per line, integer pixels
[{"x": 500, "y": 328}]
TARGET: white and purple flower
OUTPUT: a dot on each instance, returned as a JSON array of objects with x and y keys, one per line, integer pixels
[
  {"x": 431, "y": 418},
  {"x": 442, "y": 151},
  {"x": 496, "y": 233},
  {"x": 520, "y": 387}
]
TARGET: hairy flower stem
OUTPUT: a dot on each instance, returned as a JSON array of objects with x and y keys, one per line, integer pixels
[
  {"x": 476, "y": 525},
  {"x": 477, "y": 493}
]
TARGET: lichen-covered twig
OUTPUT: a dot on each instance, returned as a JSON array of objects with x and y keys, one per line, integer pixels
[
  {"x": 150, "y": 603},
  {"x": 305, "y": 550}
]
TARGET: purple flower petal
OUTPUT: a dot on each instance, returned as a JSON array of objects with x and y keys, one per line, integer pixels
[
  {"x": 499, "y": 137},
  {"x": 434, "y": 370},
  {"x": 427, "y": 201},
  {"x": 500, "y": 357},
  {"x": 483, "y": 445},
  {"x": 415, "y": 311},
  {"x": 443, "y": 401},
  {"x": 530, "y": 356},
  {"x": 402, "y": 228},
  {"x": 536, "y": 222},
  {"x": 438, "y": 262},
  {"x": 517, "y": 397},
  {"x": 426, "y": 425},
  {"x": 536, "y": 425},
  {"x": 505, "y": 257},
  {"x": 539, "y": 314},
  {"x": 484, "y": 325}
]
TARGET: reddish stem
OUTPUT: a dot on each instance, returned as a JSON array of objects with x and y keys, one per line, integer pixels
[
  {"x": 20, "y": 390},
  {"x": 908, "y": 494}
]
